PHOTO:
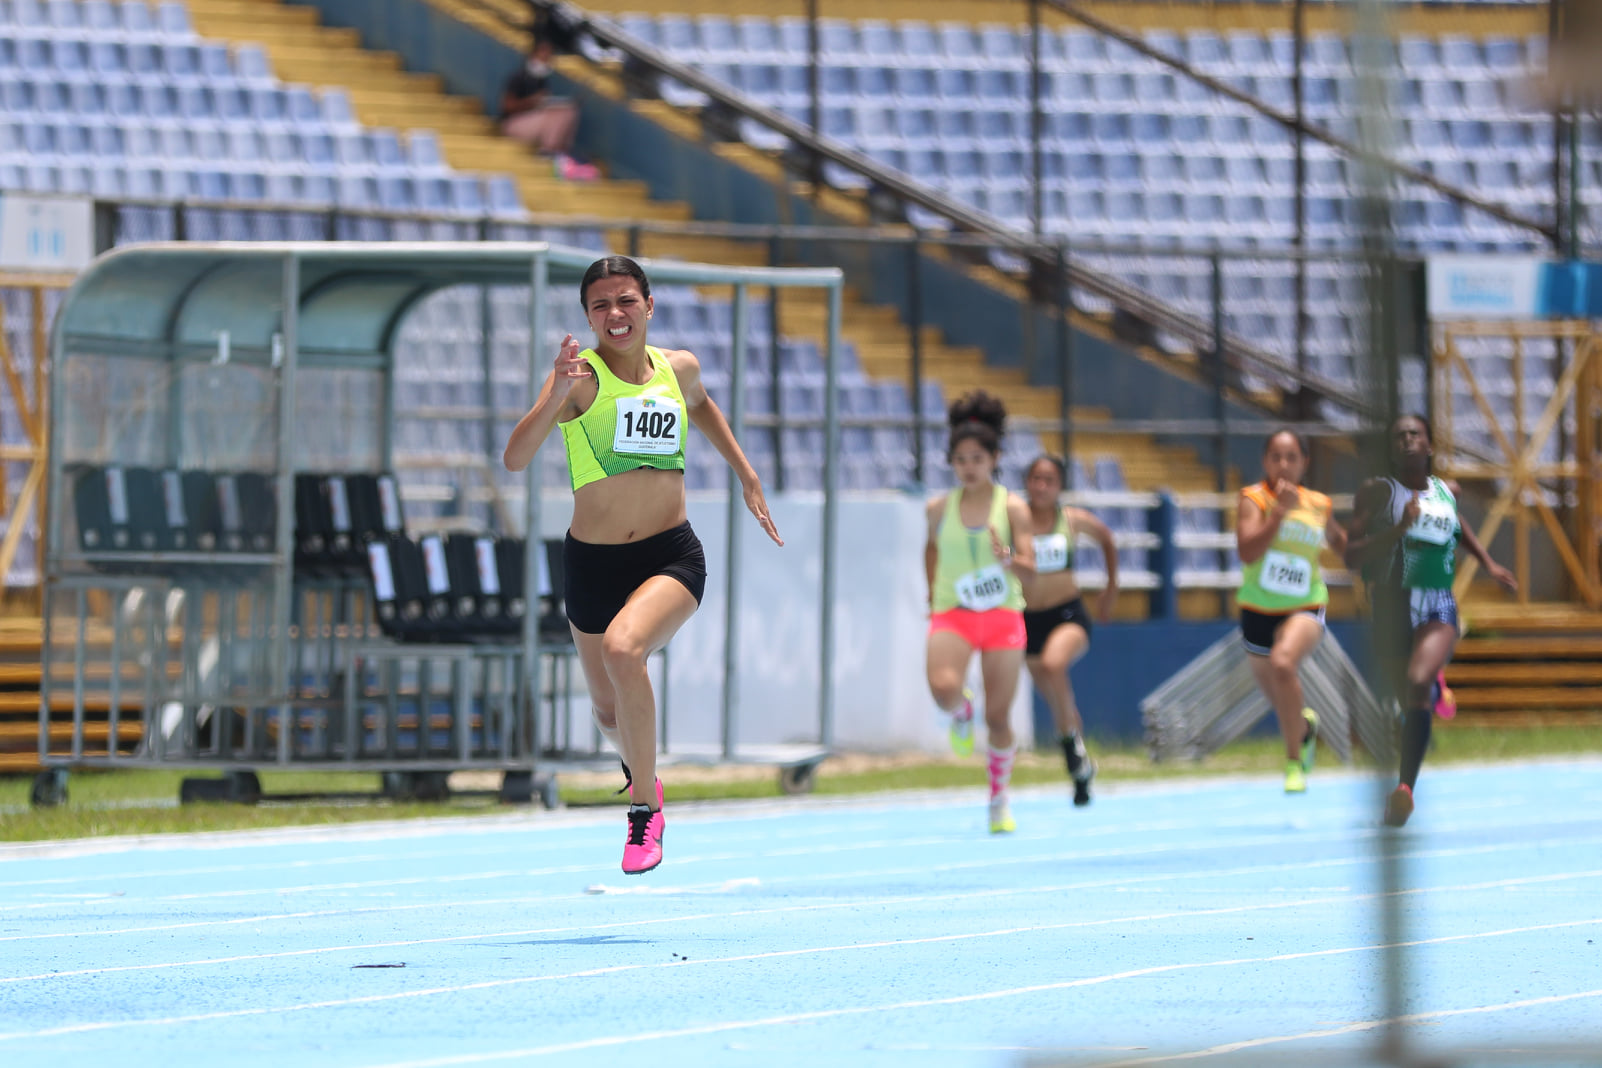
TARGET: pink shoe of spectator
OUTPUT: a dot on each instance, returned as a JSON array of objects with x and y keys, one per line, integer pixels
[{"x": 572, "y": 170}]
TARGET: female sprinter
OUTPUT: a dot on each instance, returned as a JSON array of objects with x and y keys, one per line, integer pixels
[
  {"x": 978, "y": 546},
  {"x": 1405, "y": 534},
  {"x": 1280, "y": 529},
  {"x": 1056, "y": 625},
  {"x": 634, "y": 568}
]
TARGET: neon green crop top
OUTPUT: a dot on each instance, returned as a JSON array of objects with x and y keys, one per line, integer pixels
[{"x": 627, "y": 427}]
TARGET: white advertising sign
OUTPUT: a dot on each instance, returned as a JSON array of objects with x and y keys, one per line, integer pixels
[
  {"x": 1484, "y": 287},
  {"x": 46, "y": 233}
]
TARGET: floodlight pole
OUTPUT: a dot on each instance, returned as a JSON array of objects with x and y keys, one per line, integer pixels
[
  {"x": 831, "y": 485},
  {"x": 533, "y": 543},
  {"x": 1065, "y": 360},
  {"x": 736, "y": 505},
  {"x": 1298, "y": 91},
  {"x": 1037, "y": 121},
  {"x": 1372, "y": 63},
  {"x": 915, "y": 322},
  {"x": 814, "y": 101},
  {"x": 284, "y": 562}
]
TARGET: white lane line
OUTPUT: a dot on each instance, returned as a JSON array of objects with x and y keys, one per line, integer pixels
[
  {"x": 727, "y": 812},
  {"x": 932, "y": 841},
  {"x": 499, "y": 850},
  {"x": 1209, "y": 845},
  {"x": 890, "y": 803},
  {"x": 899, "y": 900},
  {"x": 1093, "y": 884},
  {"x": 1120, "y": 831},
  {"x": 1410, "y": 1018},
  {"x": 1302, "y": 839},
  {"x": 1111, "y": 830},
  {"x": 897, "y": 943},
  {"x": 962, "y": 999}
]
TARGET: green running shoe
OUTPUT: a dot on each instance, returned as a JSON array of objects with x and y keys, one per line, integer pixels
[
  {"x": 1001, "y": 821},
  {"x": 962, "y": 726},
  {"x": 1310, "y": 741},
  {"x": 1295, "y": 778}
]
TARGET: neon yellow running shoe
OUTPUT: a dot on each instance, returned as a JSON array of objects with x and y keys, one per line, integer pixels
[
  {"x": 1310, "y": 741},
  {"x": 961, "y": 733},
  {"x": 1295, "y": 777},
  {"x": 1001, "y": 821}
]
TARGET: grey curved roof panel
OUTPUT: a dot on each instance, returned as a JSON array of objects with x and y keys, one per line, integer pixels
[{"x": 159, "y": 299}]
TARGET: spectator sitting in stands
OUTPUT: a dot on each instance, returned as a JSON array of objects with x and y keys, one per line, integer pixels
[{"x": 546, "y": 123}]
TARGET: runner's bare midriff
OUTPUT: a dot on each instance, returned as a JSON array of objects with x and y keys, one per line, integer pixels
[
  {"x": 1049, "y": 590},
  {"x": 628, "y": 507}
]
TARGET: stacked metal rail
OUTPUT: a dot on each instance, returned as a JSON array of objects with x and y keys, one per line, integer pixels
[{"x": 1214, "y": 700}]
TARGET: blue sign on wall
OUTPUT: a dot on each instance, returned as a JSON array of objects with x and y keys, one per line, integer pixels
[{"x": 1513, "y": 287}]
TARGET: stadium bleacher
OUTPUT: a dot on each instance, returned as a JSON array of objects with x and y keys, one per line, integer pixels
[
  {"x": 125, "y": 101},
  {"x": 1134, "y": 152}
]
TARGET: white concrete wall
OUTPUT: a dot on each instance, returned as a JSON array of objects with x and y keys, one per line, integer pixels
[{"x": 881, "y": 699}]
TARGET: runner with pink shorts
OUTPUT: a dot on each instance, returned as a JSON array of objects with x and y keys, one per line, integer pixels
[{"x": 979, "y": 543}]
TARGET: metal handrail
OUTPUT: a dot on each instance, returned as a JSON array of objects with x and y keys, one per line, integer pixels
[
  {"x": 1042, "y": 257},
  {"x": 1290, "y": 122}
]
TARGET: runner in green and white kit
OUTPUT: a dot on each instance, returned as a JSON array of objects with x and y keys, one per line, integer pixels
[{"x": 1404, "y": 536}]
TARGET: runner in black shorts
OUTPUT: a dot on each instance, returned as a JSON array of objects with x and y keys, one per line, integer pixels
[
  {"x": 1055, "y": 621},
  {"x": 634, "y": 568}
]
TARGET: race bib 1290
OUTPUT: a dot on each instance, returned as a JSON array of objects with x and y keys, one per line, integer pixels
[
  {"x": 648, "y": 426},
  {"x": 1286, "y": 575},
  {"x": 982, "y": 590}
]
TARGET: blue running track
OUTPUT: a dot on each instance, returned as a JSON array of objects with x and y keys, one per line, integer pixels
[{"x": 1214, "y": 918}]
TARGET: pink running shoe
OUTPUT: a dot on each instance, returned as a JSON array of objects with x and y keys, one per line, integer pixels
[
  {"x": 642, "y": 849},
  {"x": 629, "y": 785},
  {"x": 1399, "y": 806},
  {"x": 1445, "y": 699}
]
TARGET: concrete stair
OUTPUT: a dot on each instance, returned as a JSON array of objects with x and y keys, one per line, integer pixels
[
  {"x": 21, "y": 674},
  {"x": 384, "y": 95},
  {"x": 1528, "y": 665}
]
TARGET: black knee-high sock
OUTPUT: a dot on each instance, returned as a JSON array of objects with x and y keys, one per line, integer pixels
[
  {"x": 1073, "y": 751},
  {"x": 1415, "y": 740}
]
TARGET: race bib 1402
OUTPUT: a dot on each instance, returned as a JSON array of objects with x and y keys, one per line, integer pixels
[{"x": 648, "y": 426}]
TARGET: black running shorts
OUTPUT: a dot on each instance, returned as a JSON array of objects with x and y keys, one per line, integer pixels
[
  {"x": 1258, "y": 629},
  {"x": 1039, "y": 625},
  {"x": 599, "y": 579}
]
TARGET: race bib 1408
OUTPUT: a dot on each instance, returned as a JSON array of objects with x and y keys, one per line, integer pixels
[
  {"x": 982, "y": 590},
  {"x": 648, "y": 426}
]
